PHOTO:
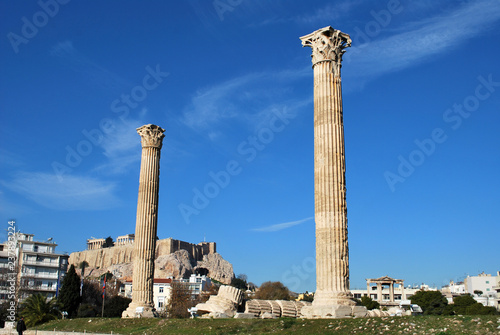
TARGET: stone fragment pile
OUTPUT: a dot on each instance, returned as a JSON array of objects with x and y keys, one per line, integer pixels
[
  {"x": 276, "y": 308},
  {"x": 224, "y": 304}
]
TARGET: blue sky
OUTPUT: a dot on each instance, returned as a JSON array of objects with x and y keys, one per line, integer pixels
[{"x": 232, "y": 86}]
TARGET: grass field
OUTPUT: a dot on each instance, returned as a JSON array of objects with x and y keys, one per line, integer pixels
[{"x": 442, "y": 325}]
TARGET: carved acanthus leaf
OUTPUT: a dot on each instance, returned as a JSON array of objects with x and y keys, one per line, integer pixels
[
  {"x": 327, "y": 44},
  {"x": 151, "y": 135}
]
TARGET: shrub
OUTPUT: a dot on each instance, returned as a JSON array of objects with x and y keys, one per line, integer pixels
[
  {"x": 369, "y": 303},
  {"x": 431, "y": 302}
]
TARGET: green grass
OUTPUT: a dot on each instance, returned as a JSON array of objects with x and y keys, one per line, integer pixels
[{"x": 428, "y": 325}]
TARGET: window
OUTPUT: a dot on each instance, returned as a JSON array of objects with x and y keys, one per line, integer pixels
[
  {"x": 487, "y": 289},
  {"x": 357, "y": 295},
  {"x": 161, "y": 290},
  {"x": 487, "y": 282}
]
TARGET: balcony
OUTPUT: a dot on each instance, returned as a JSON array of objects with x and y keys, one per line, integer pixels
[
  {"x": 39, "y": 288},
  {"x": 42, "y": 263},
  {"x": 38, "y": 251},
  {"x": 39, "y": 275}
]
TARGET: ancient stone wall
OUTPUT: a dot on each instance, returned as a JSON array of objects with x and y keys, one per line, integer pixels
[{"x": 101, "y": 258}]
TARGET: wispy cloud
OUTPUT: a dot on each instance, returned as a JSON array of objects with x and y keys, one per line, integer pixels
[
  {"x": 281, "y": 226},
  {"x": 122, "y": 139},
  {"x": 243, "y": 99},
  {"x": 215, "y": 104},
  {"x": 319, "y": 17},
  {"x": 419, "y": 41},
  {"x": 96, "y": 74},
  {"x": 75, "y": 193},
  {"x": 327, "y": 14},
  {"x": 122, "y": 145}
]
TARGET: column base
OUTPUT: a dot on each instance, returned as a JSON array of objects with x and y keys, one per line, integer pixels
[
  {"x": 333, "y": 311},
  {"x": 329, "y": 298},
  {"x": 329, "y": 304},
  {"x": 136, "y": 310}
]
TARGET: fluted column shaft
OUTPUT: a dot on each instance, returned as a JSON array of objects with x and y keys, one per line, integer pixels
[
  {"x": 146, "y": 226},
  {"x": 332, "y": 252},
  {"x": 146, "y": 222},
  {"x": 332, "y": 255}
]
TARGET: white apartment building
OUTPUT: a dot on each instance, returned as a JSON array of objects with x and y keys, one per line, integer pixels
[
  {"x": 497, "y": 290},
  {"x": 485, "y": 283},
  {"x": 4, "y": 272},
  {"x": 453, "y": 290},
  {"x": 41, "y": 269}
]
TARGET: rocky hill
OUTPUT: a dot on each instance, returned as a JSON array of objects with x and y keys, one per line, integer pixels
[{"x": 169, "y": 262}]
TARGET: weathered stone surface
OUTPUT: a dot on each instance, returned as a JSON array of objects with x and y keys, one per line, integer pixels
[
  {"x": 146, "y": 222},
  {"x": 226, "y": 302},
  {"x": 231, "y": 293},
  {"x": 288, "y": 308},
  {"x": 123, "y": 270},
  {"x": 376, "y": 313},
  {"x": 275, "y": 308},
  {"x": 333, "y": 311},
  {"x": 218, "y": 268},
  {"x": 359, "y": 311},
  {"x": 179, "y": 264},
  {"x": 244, "y": 316},
  {"x": 299, "y": 305},
  {"x": 105, "y": 257},
  {"x": 278, "y": 308},
  {"x": 267, "y": 315},
  {"x": 252, "y": 307},
  {"x": 332, "y": 255},
  {"x": 323, "y": 312},
  {"x": 265, "y": 306}
]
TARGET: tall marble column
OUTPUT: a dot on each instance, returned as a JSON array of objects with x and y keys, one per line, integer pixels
[
  {"x": 332, "y": 255},
  {"x": 146, "y": 222}
]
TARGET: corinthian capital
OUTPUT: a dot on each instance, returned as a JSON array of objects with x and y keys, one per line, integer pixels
[
  {"x": 151, "y": 135},
  {"x": 327, "y": 44}
]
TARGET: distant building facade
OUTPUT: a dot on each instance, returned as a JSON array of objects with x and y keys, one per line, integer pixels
[
  {"x": 122, "y": 252},
  {"x": 388, "y": 291},
  {"x": 125, "y": 239},
  {"x": 497, "y": 290},
  {"x": 487, "y": 285},
  {"x": 452, "y": 290},
  {"x": 95, "y": 243},
  {"x": 172, "y": 245},
  {"x": 39, "y": 268},
  {"x": 162, "y": 289},
  {"x": 4, "y": 272}
]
